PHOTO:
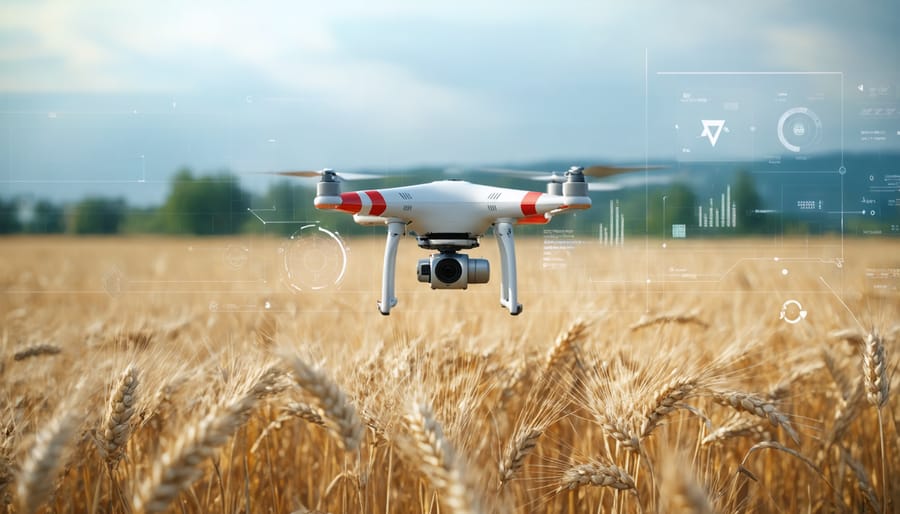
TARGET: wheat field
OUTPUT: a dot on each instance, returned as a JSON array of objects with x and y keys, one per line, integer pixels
[{"x": 152, "y": 375}]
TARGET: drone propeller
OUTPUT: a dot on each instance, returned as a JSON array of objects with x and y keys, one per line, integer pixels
[
  {"x": 608, "y": 171},
  {"x": 536, "y": 175},
  {"x": 598, "y": 171},
  {"x": 343, "y": 176}
]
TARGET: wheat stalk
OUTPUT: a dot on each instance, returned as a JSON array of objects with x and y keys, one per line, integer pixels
[
  {"x": 116, "y": 425},
  {"x": 774, "y": 445},
  {"x": 332, "y": 404}
]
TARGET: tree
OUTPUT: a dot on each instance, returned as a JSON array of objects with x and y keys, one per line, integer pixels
[
  {"x": 97, "y": 215},
  {"x": 748, "y": 202},
  {"x": 9, "y": 220},
  {"x": 207, "y": 205},
  {"x": 45, "y": 218}
]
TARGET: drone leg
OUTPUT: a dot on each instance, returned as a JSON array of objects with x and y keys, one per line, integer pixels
[
  {"x": 504, "y": 273},
  {"x": 395, "y": 230},
  {"x": 508, "y": 286}
]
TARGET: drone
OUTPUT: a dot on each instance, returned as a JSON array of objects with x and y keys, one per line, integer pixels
[{"x": 448, "y": 216}]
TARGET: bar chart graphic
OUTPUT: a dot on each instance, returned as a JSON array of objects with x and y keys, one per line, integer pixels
[
  {"x": 721, "y": 214},
  {"x": 614, "y": 233}
]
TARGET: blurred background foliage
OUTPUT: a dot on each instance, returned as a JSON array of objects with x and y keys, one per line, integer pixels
[{"x": 215, "y": 204}]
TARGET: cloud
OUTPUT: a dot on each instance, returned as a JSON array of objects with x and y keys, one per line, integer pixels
[
  {"x": 468, "y": 80},
  {"x": 112, "y": 48}
]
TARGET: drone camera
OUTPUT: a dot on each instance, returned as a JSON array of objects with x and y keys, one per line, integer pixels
[{"x": 451, "y": 270}]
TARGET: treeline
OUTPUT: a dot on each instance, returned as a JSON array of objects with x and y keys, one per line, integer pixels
[
  {"x": 209, "y": 205},
  {"x": 205, "y": 205}
]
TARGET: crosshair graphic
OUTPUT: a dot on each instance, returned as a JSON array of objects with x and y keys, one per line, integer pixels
[{"x": 314, "y": 258}]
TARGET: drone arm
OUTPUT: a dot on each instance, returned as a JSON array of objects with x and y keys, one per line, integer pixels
[
  {"x": 508, "y": 286},
  {"x": 388, "y": 300}
]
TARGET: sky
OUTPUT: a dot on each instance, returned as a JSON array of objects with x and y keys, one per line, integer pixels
[{"x": 111, "y": 98}]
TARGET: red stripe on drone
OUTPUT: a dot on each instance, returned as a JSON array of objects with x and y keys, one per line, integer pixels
[
  {"x": 350, "y": 202},
  {"x": 528, "y": 203},
  {"x": 537, "y": 219},
  {"x": 378, "y": 205}
]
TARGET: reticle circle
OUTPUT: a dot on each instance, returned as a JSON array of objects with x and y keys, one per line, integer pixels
[{"x": 314, "y": 258}]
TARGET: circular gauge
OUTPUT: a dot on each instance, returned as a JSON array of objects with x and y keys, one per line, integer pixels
[
  {"x": 314, "y": 258},
  {"x": 799, "y": 128}
]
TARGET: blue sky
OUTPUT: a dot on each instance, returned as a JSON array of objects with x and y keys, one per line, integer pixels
[{"x": 96, "y": 95}]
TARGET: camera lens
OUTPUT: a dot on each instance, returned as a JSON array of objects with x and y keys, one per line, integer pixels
[{"x": 448, "y": 270}]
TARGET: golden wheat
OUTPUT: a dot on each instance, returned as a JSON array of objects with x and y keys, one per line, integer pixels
[
  {"x": 117, "y": 421},
  {"x": 428, "y": 410}
]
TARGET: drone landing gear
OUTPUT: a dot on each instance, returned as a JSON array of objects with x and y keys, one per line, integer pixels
[
  {"x": 508, "y": 287},
  {"x": 388, "y": 300}
]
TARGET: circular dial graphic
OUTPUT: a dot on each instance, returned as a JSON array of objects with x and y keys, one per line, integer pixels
[
  {"x": 798, "y": 129},
  {"x": 314, "y": 258}
]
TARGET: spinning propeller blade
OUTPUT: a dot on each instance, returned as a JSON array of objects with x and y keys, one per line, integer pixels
[
  {"x": 312, "y": 173},
  {"x": 598, "y": 171},
  {"x": 540, "y": 176},
  {"x": 608, "y": 171}
]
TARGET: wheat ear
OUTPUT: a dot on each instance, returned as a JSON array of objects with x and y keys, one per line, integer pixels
[
  {"x": 518, "y": 447},
  {"x": 37, "y": 350},
  {"x": 737, "y": 427},
  {"x": 678, "y": 318},
  {"x": 292, "y": 410},
  {"x": 619, "y": 429},
  {"x": 665, "y": 401},
  {"x": 563, "y": 356},
  {"x": 596, "y": 474},
  {"x": 438, "y": 460},
  {"x": 680, "y": 490},
  {"x": 36, "y": 480},
  {"x": 862, "y": 479},
  {"x": 116, "y": 425},
  {"x": 875, "y": 371},
  {"x": 564, "y": 353},
  {"x": 179, "y": 465},
  {"x": 332, "y": 404},
  {"x": 757, "y": 406}
]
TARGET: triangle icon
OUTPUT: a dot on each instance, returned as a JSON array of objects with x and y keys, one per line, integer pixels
[{"x": 712, "y": 129}]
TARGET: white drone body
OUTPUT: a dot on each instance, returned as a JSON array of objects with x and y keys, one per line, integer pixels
[{"x": 453, "y": 215}]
